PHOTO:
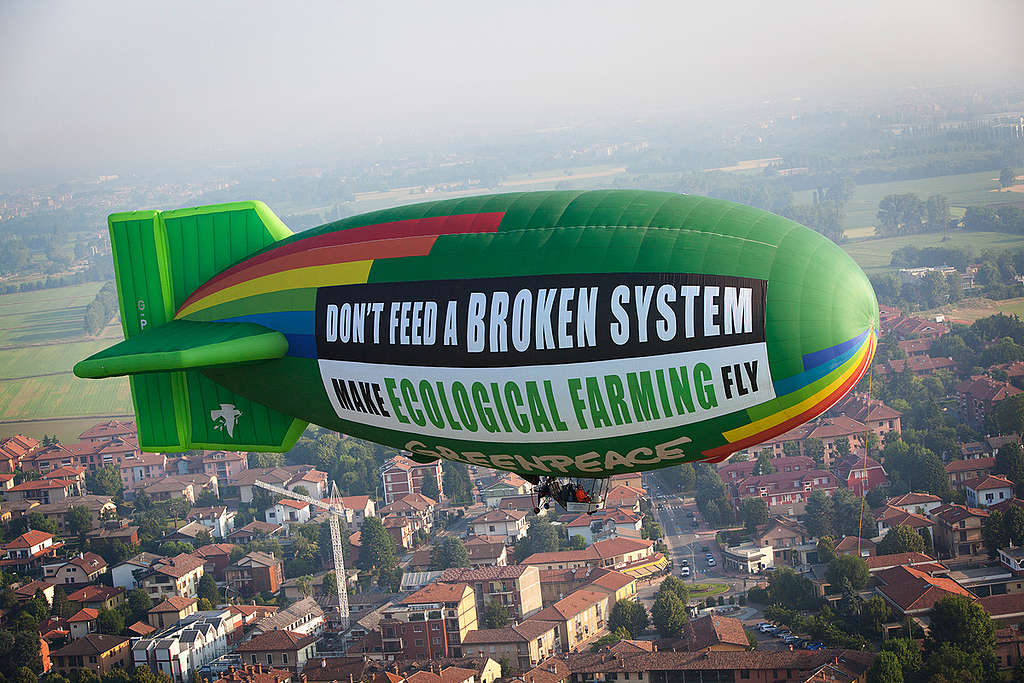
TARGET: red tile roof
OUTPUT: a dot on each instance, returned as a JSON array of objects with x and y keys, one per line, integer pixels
[
  {"x": 571, "y": 605},
  {"x": 95, "y": 593},
  {"x": 43, "y": 484},
  {"x": 969, "y": 465},
  {"x": 29, "y": 539},
  {"x": 175, "y": 603},
  {"x": 605, "y": 549},
  {"x": 297, "y": 504},
  {"x": 438, "y": 592},
  {"x": 84, "y": 614},
  {"x": 989, "y": 481},
  {"x": 276, "y": 641}
]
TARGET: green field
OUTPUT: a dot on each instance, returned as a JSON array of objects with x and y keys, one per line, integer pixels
[
  {"x": 42, "y": 335},
  {"x": 874, "y": 255},
  {"x": 972, "y": 309},
  {"x": 967, "y": 189}
]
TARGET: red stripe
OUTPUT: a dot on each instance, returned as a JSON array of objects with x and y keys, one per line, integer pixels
[
  {"x": 721, "y": 452},
  {"x": 414, "y": 227},
  {"x": 343, "y": 253}
]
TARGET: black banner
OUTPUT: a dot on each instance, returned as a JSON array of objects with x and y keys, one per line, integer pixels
[{"x": 537, "y": 320}]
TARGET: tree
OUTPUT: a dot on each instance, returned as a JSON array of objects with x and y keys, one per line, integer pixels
[
  {"x": 901, "y": 539},
  {"x": 755, "y": 513},
  {"x": 61, "y": 606},
  {"x": 204, "y": 605},
  {"x": 1007, "y": 177},
  {"x": 138, "y": 604},
  {"x": 669, "y": 614},
  {"x": 795, "y": 591},
  {"x": 457, "y": 484},
  {"x": 37, "y": 521},
  {"x": 937, "y": 213},
  {"x": 630, "y": 615},
  {"x": 1010, "y": 462},
  {"x": 854, "y": 569},
  {"x": 429, "y": 487},
  {"x": 958, "y": 621},
  {"x": 495, "y": 615},
  {"x": 826, "y": 549},
  {"x": 450, "y": 552},
  {"x": 105, "y": 481},
  {"x": 78, "y": 520},
  {"x": 815, "y": 449},
  {"x": 378, "y": 548},
  {"x": 885, "y": 669},
  {"x": 24, "y": 675},
  {"x": 764, "y": 463},
  {"x": 842, "y": 445},
  {"x": 390, "y": 580},
  {"x": 819, "y": 513},
  {"x": 541, "y": 537},
  {"x": 207, "y": 588},
  {"x": 908, "y": 654},
  {"x": 110, "y": 621},
  {"x": 615, "y": 636},
  {"x": 675, "y": 585}
]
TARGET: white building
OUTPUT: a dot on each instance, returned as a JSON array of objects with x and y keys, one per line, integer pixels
[
  {"x": 193, "y": 642},
  {"x": 749, "y": 558},
  {"x": 125, "y": 575},
  {"x": 219, "y": 520},
  {"x": 304, "y": 616},
  {"x": 288, "y": 512},
  {"x": 918, "y": 503},
  {"x": 508, "y": 523},
  {"x": 988, "y": 490}
]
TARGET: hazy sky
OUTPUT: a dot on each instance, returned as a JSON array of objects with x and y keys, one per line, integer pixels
[{"x": 107, "y": 82}]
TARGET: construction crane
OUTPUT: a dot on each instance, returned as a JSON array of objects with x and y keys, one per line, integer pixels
[{"x": 334, "y": 510}]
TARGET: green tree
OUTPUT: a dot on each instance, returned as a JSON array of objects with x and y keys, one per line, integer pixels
[
  {"x": 138, "y": 605},
  {"x": 764, "y": 463},
  {"x": 629, "y": 615},
  {"x": 541, "y": 537},
  {"x": 1007, "y": 177},
  {"x": 675, "y": 585},
  {"x": 819, "y": 514},
  {"x": 901, "y": 539},
  {"x": 257, "y": 460},
  {"x": 754, "y": 512},
  {"x": 908, "y": 654},
  {"x": 61, "y": 606},
  {"x": 795, "y": 591},
  {"x": 24, "y": 675},
  {"x": 815, "y": 449},
  {"x": 390, "y": 580},
  {"x": 378, "y": 548},
  {"x": 78, "y": 520},
  {"x": 37, "y": 521},
  {"x": 207, "y": 588},
  {"x": 110, "y": 621},
  {"x": 854, "y": 569},
  {"x": 607, "y": 639},
  {"x": 105, "y": 481},
  {"x": 204, "y": 605},
  {"x": 885, "y": 669},
  {"x": 495, "y": 615},
  {"x": 450, "y": 552},
  {"x": 1010, "y": 462},
  {"x": 959, "y": 621},
  {"x": 826, "y": 549},
  {"x": 842, "y": 445},
  {"x": 457, "y": 484},
  {"x": 669, "y": 614},
  {"x": 429, "y": 487}
]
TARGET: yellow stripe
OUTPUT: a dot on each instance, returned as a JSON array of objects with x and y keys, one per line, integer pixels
[
  {"x": 805, "y": 405},
  {"x": 353, "y": 272}
]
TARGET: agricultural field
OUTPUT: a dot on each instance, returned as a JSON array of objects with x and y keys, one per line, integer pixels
[
  {"x": 874, "y": 255},
  {"x": 973, "y": 309},
  {"x": 966, "y": 189},
  {"x": 42, "y": 335}
]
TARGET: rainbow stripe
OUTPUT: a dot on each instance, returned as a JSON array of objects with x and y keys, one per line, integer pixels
[
  {"x": 828, "y": 375},
  {"x": 344, "y": 257}
]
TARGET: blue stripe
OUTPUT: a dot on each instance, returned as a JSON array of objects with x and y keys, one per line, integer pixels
[
  {"x": 286, "y": 322},
  {"x": 301, "y": 345},
  {"x": 791, "y": 384},
  {"x": 818, "y": 357}
]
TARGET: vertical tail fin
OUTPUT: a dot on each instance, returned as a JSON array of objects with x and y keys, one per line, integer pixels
[{"x": 159, "y": 259}]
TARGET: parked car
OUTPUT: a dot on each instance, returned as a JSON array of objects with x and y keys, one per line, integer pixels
[
  {"x": 790, "y": 639},
  {"x": 815, "y": 646},
  {"x": 684, "y": 562},
  {"x": 763, "y": 626},
  {"x": 770, "y": 628},
  {"x": 782, "y": 633},
  {"x": 684, "y": 572},
  {"x": 712, "y": 562}
]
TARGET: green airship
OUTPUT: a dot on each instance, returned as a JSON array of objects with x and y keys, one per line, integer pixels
[{"x": 561, "y": 334}]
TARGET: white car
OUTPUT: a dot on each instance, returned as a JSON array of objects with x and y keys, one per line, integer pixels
[
  {"x": 711, "y": 562},
  {"x": 684, "y": 572}
]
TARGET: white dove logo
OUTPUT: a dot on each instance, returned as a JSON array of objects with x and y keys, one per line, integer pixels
[{"x": 225, "y": 418}]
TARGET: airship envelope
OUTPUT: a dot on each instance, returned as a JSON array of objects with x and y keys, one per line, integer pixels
[{"x": 575, "y": 334}]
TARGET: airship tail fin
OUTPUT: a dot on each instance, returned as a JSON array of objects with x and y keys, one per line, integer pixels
[{"x": 160, "y": 257}]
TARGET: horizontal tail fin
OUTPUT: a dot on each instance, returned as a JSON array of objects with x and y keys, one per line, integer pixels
[{"x": 159, "y": 259}]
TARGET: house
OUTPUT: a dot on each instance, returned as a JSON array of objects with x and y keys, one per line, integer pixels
[
  {"x": 958, "y": 529},
  {"x": 83, "y": 622},
  {"x": 288, "y": 512},
  {"x": 917, "y": 365},
  {"x": 748, "y": 558},
  {"x": 257, "y": 673},
  {"x": 227, "y": 466},
  {"x": 255, "y": 530},
  {"x": 485, "y": 551},
  {"x": 356, "y": 509},
  {"x": 790, "y": 541},
  {"x": 580, "y": 617},
  {"x": 605, "y": 523},
  {"x": 142, "y": 467},
  {"x": 860, "y": 473},
  {"x": 255, "y": 573},
  {"x": 97, "y": 597},
  {"x": 525, "y": 644},
  {"x": 978, "y": 395},
  {"x": 616, "y": 585},
  {"x": 43, "y": 490},
  {"x": 192, "y": 532},
  {"x": 177, "y": 575},
  {"x": 125, "y": 575},
  {"x": 912, "y": 592},
  {"x": 14, "y": 449},
  {"x": 303, "y": 616},
  {"x": 216, "y": 557},
  {"x": 883, "y": 563},
  {"x": 187, "y": 486},
  {"x": 516, "y": 587},
  {"x": 961, "y": 471},
  {"x": 401, "y": 476},
  {"x": 111, "y": 430},
  {"x": 88, "y": 454},
  {"x": 624, "y": 497},
  {"x": 851, "y": 545},
  {"x": 631, "y": 556},
  {"x": 920, "y": 503},
  {"x": 735, "y": 471},
  {"x": 99, "y": 507},
  {"x": 887, "y": 517},
  {"x": 97, "y": 652},
  {"x": 218, "y": 519},
  {"x": 171, "y": 611},
  {"x": 832, "y": 430},
  {"x": 875, "y": 415},
  {"x": 713, "y": 633},
  {"x": 290, "y": 477},
  {"x": 85, "y": 568},
  {"x": 432, "y": 622},
  {"x": 785, "y": 493},
  {"x": 988, "y": 490},
  {"x": 72, "y": 473},
  {"x": 286, "y": 649},
  {"x": 509, "y": 484},
  {"x": 415, "y": 507},
  {"x": 189, "y": 645},
  {"x": 28, "y": 590},
  {"x": 114, "y": 531},
  {"x": 510, "y": 524},
  {"x": 28, "y": 550},
  {"x": 400, "y": 530}
]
